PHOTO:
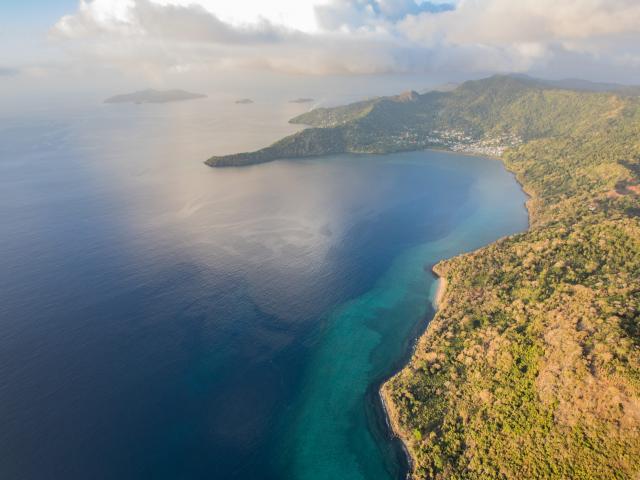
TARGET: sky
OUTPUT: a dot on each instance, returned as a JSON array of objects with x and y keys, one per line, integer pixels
[{"x": 95, "y": 43}]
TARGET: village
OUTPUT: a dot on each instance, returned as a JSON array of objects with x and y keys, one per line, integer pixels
[{"x": 457, "y": 141}]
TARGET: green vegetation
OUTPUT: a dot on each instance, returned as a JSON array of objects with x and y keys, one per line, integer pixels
[
  {"x": 485, "y": 117},
  {"x": 315, "y": 141},
  {"x": 531, "y": 367}
]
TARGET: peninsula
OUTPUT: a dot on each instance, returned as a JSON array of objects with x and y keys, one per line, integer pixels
[
  {"x": 154, "y": 96},
  {"x": 531, "y": 366}
]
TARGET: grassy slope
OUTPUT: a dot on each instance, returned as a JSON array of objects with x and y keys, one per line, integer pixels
[{"x": 531, "y": 367}]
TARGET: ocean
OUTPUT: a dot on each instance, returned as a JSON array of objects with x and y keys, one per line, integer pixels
[{"x": 162, "y": 319}]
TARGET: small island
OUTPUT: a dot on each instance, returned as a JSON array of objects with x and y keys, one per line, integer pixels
[
  {"x": 244, "y": 101},
  {"x": 301, "y": 100},
  {"x": 154, "y": 96}
]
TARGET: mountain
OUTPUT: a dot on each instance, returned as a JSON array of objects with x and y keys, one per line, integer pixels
[
  {"x": 154, "y": 96},
  {"x": 483, "y": 116},
  {"x": 531, "y": 366},
  {"x": 578, "y": 84},
  {"x": 445, "y": 87}
]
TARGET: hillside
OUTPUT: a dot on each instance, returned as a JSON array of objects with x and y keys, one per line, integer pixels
[
  {"x": 485, "y": 117},
  {"x": 531, "y": 367}
]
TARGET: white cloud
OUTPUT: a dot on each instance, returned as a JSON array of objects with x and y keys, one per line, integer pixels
[
  {"x": 507, "y": 21},
  {"x": 140, "y": 19},
  {"x": 354, "y": 36},
  {"x": 144, "y": 34},
  {"x": 295, "y": 15}
]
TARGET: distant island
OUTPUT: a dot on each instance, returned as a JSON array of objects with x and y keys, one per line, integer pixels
[
  {"x": 154, "y": 96},
  {"x": 244, "y": 101},
  {"x": 301, "y": 100},
  {"x": 531, "y": 366}
]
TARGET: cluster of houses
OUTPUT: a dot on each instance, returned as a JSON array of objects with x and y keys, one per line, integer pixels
[{"x": 458, "y": 141}]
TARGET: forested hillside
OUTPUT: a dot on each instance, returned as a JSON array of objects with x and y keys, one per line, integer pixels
[
  {"x": 531, "y": 367},
  {"x": 485, "y": 116}
]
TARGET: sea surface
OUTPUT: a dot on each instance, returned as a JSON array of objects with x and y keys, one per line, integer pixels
[{"x": 160, "y": 319}]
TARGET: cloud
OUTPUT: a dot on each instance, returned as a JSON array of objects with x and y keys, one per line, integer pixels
[
  {"x": 144, "y": 19},
  {"x": 359, "y": 36},
  {"x": 506, "y": 21},
  {"x": 147, "y": 35},
  {"x": 350, "y": 14},
  {"x": 533, "y": 34}
]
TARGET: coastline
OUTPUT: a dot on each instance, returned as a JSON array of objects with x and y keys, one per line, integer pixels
[
  {"x": 389, "y": 408},
  {"x": 442, "y": 288},
  {"x": 391, "y": 415}
]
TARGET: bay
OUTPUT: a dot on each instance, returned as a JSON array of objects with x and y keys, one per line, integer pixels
[{"x": 161, "y": 319}]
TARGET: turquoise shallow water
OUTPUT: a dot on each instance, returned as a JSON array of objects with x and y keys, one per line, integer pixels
[
  {"x": 162, "y": 319},
  {"x": 334, "y": 431}
]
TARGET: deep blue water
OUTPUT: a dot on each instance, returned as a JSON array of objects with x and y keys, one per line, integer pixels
[{"x": 161, "y": 319}]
